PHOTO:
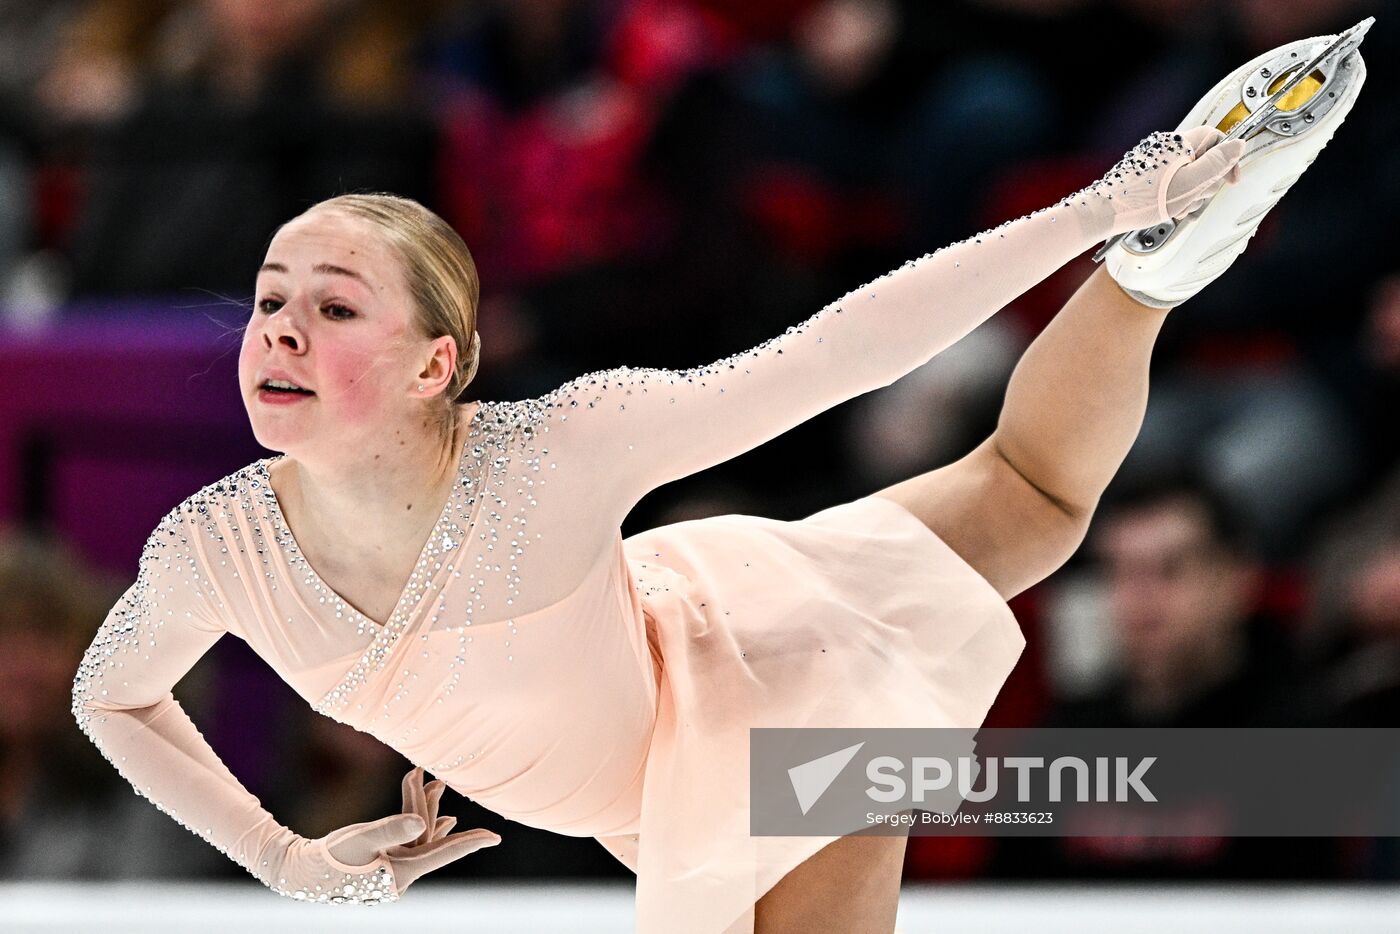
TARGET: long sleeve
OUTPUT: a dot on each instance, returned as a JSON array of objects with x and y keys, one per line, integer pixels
[
  {"x": 632, "y": 430},
  {"x": 640, "y": 428},
  {"x": 122, "y": 701}
]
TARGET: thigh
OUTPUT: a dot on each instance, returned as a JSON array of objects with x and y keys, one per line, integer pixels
[
  {"x": 993, "y": 518},
  {"x": 851, "y": 886}
]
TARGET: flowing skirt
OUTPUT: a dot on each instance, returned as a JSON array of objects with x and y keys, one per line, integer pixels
[{"x": 856, "y": 616}]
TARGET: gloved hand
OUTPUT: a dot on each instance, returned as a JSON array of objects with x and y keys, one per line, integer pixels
[
  {"x": 1164, "y": 177},
  {"x": 376, "y": 861}
]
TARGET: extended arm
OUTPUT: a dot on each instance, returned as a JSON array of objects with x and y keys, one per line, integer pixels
[{"x": 640, "y": 428}]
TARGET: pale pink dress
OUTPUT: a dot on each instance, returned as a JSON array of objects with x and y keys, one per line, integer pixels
[{"x": 573, "y": 680}]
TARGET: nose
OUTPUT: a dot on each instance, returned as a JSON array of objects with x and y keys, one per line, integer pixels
[{"x": 283, "y": 328}]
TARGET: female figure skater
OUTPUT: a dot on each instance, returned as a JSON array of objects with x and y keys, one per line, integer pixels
[{"x": 448, "y": 574}]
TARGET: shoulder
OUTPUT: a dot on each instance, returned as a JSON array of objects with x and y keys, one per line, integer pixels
[
  {"x": 591, "y": 390},
  {"x": 502, "y": 432},
  {"x": 181, "y": 569},
  {"x": 227, "y": 502},
  {"x": 497, "y": 423},
  {"x": 575, "y": 406}
]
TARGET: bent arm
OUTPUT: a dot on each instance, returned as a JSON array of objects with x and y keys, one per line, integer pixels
[{"x": 122, "y": 701}]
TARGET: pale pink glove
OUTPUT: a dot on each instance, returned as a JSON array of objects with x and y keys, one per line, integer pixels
[
  {"x": 1164, "y": 177},
  {"x": 376, "y": 861}
]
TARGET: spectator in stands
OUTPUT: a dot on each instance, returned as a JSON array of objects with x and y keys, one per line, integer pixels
[
  {"x": 1184, "y": 588},
  {"x": 60, "y": 805},
  {"x": 544, "y": 123},
  {"x": 247, "y": 112},
  {"x": 1354, "y": 625},
  {"x": 1354, "y": 622},
  {"x": 29, "y": 34}
]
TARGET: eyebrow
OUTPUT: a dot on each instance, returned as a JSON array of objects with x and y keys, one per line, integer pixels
[{"x": 327, "y": 268}]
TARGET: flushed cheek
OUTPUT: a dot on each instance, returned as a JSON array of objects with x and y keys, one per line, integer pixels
[{"x": 358, "y": 384}]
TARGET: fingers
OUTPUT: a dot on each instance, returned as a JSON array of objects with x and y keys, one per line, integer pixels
[
  {"x": 1221, "y": 164},
  {"x": 424, "y": 800},
  {"x": 412, "y": 863},
  {"x": 434, "y": 790},
  {"x": 415, "y": 801},
  {"x": 417, "y": 834},
  {"x": 401, "y": 828},
  {"x": 1206, "y": 173},
  {"x": 412, "y": 789},
  {"x": 1233, "y": 150},
  {"x": 1199, "y": 139},
  {"x": 359, "y": 844},
  {"x": 1210, "y": 166}
]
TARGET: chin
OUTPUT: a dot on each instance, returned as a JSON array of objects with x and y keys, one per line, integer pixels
[
  {"x": 273, "y": 441},
  {"x": 283, "y": 438}
]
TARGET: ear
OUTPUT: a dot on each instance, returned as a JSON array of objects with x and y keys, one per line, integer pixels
[{"x": 437, "y": 371}]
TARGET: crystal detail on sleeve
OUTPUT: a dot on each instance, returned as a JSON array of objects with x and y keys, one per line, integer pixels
[
  {"x": 590, "y": 390},
  {"x": 343, "y": 888}
]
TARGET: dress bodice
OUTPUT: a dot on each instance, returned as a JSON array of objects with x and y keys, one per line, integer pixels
[{"x": 542, "y": 715}]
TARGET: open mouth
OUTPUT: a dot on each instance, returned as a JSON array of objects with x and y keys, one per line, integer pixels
[{"x": 285, "y": 387}]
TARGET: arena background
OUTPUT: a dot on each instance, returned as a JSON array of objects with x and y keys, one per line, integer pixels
[{"x": 662, "y": 184}]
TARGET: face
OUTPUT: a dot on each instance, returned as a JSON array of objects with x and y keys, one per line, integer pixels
[
  {"x": 266, "y": 30},
  {"x": 333, "y": 316},
  {"x": 1173, "y": 589}
]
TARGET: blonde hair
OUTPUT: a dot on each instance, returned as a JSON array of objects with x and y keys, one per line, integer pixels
[{"x": 440, "y": 274}]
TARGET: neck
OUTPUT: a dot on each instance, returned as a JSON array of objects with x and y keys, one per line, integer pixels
[{"x": 394, "y": 487}]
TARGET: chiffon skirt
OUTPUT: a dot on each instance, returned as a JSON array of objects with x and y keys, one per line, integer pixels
[{"x": 855, "y": 616}]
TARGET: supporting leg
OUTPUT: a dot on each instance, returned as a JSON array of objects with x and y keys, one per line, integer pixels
[{"x": 849, "y": 886}]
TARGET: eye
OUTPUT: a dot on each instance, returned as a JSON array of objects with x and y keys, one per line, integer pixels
[
  {"x": 269, "y": 305},
  {"x": 339, "y": 312}
]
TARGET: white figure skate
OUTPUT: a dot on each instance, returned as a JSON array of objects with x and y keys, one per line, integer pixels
[{"x": 1285, "y": 104}]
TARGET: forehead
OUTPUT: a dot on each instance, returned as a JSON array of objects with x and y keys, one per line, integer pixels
[
  {"x": 335, "y": 238},
  {"x": 1161, "y": 530}
]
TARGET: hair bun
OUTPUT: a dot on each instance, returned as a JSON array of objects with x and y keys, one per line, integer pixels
[{"x": 467, "y": 366}]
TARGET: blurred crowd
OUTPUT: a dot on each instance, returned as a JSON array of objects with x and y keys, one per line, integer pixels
[{"x": 665, "y": 182}]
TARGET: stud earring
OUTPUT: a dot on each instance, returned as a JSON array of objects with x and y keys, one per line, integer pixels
[{"x": 420, "y": 387}]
